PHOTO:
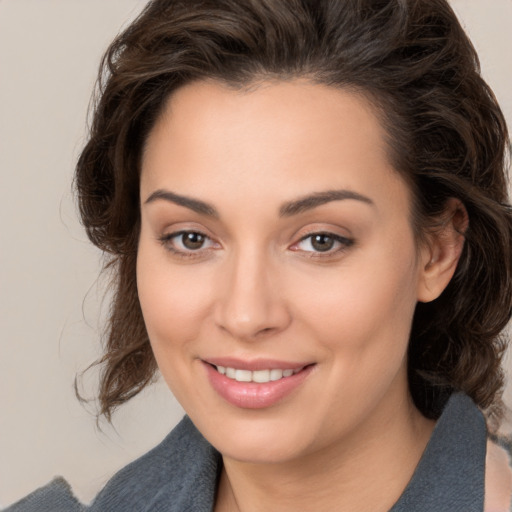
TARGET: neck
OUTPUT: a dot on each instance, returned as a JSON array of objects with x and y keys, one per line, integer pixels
[{"x": 367, "y": 471}]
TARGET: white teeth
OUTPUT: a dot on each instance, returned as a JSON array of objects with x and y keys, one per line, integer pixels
[
  {"x": 276, "y": 374},
  {"x": 243, "y": 375},
  {"x": 260, "y": 376}
]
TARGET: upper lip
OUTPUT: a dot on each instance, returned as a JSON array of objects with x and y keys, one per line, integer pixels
[{"x": 255, "y": 364}]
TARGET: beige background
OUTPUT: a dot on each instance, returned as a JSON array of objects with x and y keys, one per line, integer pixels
[{"x": 49, "y": 298}]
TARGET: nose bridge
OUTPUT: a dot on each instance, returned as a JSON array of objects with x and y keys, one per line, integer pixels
[{"x": 251, "y": 303}]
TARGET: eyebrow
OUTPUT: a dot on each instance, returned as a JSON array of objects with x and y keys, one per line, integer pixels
[
  {"x": 319, "y": 198},
  {"x": 195, "y": 205},
  {"x": 286, "y": 210}
]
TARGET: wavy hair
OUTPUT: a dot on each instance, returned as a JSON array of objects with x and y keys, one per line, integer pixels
[{"x": 446, "y": 136}]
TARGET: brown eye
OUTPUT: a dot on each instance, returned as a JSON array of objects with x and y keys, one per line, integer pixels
[
  {"x": 328, "y": 243},
  {"x": 192, "y": 241},
  {"x": 187, "y": 242},
  {"x": 322, "y": 243}
]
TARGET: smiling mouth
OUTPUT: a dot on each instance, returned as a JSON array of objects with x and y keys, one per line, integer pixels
[
  {"x": 255, "y": 384},
  {"x": 259, "y": 376}
]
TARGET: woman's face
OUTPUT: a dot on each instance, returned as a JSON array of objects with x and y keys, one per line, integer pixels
[{"x": 277, "y": 268}]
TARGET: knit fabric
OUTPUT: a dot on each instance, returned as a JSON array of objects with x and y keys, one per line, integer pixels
[{"x": 451, "y": 474}]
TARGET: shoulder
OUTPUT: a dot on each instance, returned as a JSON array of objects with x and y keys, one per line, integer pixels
[
  {"x": 498, "y": 476},
  {"x": 178, "y": 475},
  {"x": 55, "y": 496}
]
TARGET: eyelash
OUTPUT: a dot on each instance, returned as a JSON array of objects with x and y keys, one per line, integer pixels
[
  {"x": 166, "y": 241},
  {"x": 344, "y": 244}
]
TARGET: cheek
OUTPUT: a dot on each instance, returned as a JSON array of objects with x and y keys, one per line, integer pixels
[
  {"x": 174, "y": 303},
  {"x": 361, "y": 326},
  {"x": 173, "y": 299},
  {"x": 365, "y": 309}
]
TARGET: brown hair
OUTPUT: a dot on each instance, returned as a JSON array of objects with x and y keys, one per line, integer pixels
[{"x": 446, "y": 136}]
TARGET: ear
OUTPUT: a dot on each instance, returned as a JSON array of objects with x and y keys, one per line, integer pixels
[{"x": 441, "y": 253}]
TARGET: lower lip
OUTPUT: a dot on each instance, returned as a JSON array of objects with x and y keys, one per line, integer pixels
[{"x": 254, "y": 395}]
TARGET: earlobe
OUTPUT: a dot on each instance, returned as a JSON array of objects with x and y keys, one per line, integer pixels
[{"x": 439, "y": 258}]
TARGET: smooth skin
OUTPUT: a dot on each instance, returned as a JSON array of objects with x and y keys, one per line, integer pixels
[{"x": 233, "y": 262}]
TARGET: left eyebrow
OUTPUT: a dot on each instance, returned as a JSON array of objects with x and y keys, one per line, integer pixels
[
  {"x": 195, "y": 205},
  {"x": 319, "y": 198}
]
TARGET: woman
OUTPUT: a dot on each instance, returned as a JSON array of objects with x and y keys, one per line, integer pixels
[{"x": 306, "y": 208}]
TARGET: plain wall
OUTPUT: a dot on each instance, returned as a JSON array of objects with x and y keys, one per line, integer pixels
[{"x": 49, "y": 298}]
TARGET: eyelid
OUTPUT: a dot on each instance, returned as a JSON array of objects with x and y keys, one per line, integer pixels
[
  {"x": 166, "y": 240},
  {"x": 343, "y": 241}
]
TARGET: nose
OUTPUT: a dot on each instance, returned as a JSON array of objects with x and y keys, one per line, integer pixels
[{"x": 251, "y": 304}]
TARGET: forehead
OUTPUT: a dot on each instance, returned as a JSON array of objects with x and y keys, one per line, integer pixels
[{"x": 277, "y": 138}]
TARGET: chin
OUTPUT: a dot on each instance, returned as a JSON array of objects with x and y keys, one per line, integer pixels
[
  {"x": 269, "y": 448},
  {"x": 257, "y": 437}
]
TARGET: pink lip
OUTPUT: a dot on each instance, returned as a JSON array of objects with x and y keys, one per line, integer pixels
[{"x": 252, "y": 395}]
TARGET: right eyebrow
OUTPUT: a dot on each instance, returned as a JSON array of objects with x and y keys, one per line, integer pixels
[{"x": 195, "y": 205}]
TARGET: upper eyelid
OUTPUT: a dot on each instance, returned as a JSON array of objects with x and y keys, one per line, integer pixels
[
  {"x": 327, "y": 232},
  {"x": 171, "y": 231},
  {"x": 333, "y": 228},
  {"x": 337, "y": 238},
  {"x": 175, "y": 234}
]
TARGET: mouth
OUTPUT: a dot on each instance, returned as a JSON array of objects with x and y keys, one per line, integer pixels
[{"x": 257, "y": 384}]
